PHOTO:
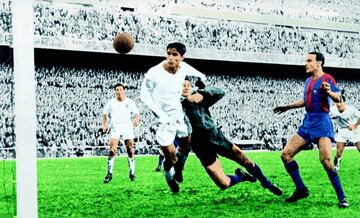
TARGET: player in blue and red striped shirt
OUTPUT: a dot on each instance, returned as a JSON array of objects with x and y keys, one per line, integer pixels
[{"x": 320, "y": 89}]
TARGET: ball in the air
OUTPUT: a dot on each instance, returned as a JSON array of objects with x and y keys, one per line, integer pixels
[{"x": 123, "y": 43}]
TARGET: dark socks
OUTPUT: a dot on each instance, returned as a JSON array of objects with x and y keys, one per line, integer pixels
[
  {"x": 335, "y": 181},
  {"x": 293, "y": 169},
  {"x": 234, "y": 179},
  {"x": 161, "y": 159},
  {"x": 257, "y": 173}
]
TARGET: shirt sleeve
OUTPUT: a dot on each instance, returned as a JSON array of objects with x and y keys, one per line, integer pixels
[
  {"x": 107, "y": 109},
  {"x": 332, "y": 84},
  {"x": 191, "y": 71},
  {"x": 356, "y": 112},
  {"x": 211, "y": 95},
  {"x": 146, "y": 96}
]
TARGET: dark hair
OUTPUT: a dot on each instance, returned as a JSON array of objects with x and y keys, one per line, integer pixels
[
  {"x": 118, "y": 84},
  {"x": 319, "y": 57},
  {"x": 187, "y": 78},
  {"x": 181, "y": 48}
]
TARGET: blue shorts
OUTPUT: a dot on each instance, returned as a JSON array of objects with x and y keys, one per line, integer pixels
[{"x": 315, "y": 126}]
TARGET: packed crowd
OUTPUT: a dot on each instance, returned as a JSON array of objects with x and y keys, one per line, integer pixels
[
  {"x": 328, "y": 10},
  {"x": 84, "y": 24},
  {"x": 90, "y": 23},
  {"x": 70, "y": 103}
]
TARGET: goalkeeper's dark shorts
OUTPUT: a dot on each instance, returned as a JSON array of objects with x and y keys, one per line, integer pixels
[{"x": 207, "y": 144}]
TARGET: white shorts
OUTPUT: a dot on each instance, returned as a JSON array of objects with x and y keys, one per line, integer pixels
[
  {"x": 345, "y": 135},
  {"x": 123, "y": 132},
  {"x": 166, "y": 133}
]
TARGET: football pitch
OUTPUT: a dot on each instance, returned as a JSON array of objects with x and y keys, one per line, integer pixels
[{"x": 74, "y": 187}]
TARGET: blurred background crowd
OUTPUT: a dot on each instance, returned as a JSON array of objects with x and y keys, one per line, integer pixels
[{"x": 70, "y": 102}]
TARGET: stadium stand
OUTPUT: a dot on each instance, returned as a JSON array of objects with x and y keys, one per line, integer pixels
[
  {"x": 78, "y": 27},
  {"x": 70, "y": 102}
]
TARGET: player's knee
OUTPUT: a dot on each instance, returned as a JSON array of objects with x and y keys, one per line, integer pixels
[
  {"x": 223, "y": 185},
  {"x": 326, "y": 162},
  {"x": 112, "y": 153},
  {"x": 248, "y": 162},
  {"x": 286, "y": 158}
]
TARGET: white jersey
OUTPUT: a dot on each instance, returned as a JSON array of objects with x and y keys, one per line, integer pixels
[
  {"x": 348, "y": 117},
  {"x": 161, "y": 90},
  {"x": 120, "y": 112}
]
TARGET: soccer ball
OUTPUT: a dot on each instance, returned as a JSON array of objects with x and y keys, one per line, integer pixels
[{"x": 123, "y": 43}]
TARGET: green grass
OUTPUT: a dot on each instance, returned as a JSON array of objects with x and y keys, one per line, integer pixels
[{"x": 74, "y": 188}]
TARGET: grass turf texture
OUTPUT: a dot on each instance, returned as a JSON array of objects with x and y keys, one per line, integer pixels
[{"x": 74, "y": 188}]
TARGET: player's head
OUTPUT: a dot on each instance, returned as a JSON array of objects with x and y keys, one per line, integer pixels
[
  {"x": 178, "y": 46},
  {"x": 119, "y": 91},
  {"x": 186, "y": 91},
  {"x": 314, "y": 62},
  {"x": 175, "y": 54}
]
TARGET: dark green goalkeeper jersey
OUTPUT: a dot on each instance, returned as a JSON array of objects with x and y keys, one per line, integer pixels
[{"x": 199, "y": 114}]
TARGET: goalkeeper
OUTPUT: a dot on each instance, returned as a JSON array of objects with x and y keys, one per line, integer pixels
[{"x": 207, "y": 140}]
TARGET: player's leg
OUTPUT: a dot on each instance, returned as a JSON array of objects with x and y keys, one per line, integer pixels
[
  {"x": 181, "y": 156},
  {"x": 111, "y": 159},
  {"x": 293, "y": 146},
  {"x": 169, "y": 171},
  {"x": 240, "y": 157},
  {"x": 357, "y": 144},
  {"x": 223, "y": 181},
  {"x": 165, "y": 136},
  {"x": 160, "y": 161},
  {"x": 129, "y": 144},
  {"x": 206, "y": 152},
  {"x": 325, "y": 158},
  {"x": 339, "y": 151}
]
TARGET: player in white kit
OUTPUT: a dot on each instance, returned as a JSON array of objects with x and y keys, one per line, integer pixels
[
  {"x": 347, "y": 120},
  {"x": 120, "y": 110},
  {"x": 161, "y": 91}
]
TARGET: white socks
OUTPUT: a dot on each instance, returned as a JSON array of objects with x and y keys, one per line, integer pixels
[
  {"x": 131, "y": 162},
  {"x": 111, "y": 165}
]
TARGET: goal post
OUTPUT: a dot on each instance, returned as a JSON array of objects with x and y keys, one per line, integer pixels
[{"x": 24, "y": 108}]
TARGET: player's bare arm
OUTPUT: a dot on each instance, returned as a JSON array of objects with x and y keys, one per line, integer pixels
[
  {"x": 136, "y": 120},
  {"x": 333, "y": 95},
  {"x": 354, "y": 126},
  {"x": 296, "y": 104},
  {"x": 104, "y": 124}
]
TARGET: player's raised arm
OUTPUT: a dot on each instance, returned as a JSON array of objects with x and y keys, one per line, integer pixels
[
  {"x": 211, "y": 95},
  {"x": 191, "y": 71},
  {"x": 333, "y": 94},
  {"x": 296, "y": 104}
]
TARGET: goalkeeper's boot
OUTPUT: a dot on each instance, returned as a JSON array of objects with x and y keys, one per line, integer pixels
[
  {"x": 275, "y": 190},
  {"x": 244, "y": 175}
]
